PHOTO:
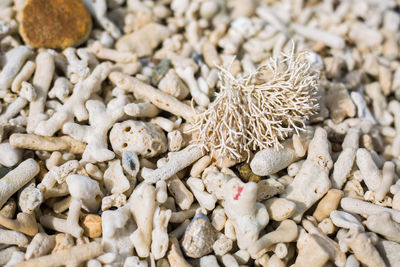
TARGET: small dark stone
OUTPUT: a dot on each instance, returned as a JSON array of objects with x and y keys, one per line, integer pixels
[
  {"x": 198, "y": 58},
  {"x": 160, "y": 70},
  {"x": 4, "y": 171},
  {"x": 246, "y": 174}
]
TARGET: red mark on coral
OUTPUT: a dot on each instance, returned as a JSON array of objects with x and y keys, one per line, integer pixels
[{"x": 239, "y": 191}]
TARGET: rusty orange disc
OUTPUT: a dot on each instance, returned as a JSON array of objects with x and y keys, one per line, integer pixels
[{"x": 55, "y": 23}]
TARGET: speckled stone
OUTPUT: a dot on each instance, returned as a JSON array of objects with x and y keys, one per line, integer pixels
[
  {"x": 199, "y": 237},
  {"x": 246, "y": 174},
  {"x": 55, "y": 23}
]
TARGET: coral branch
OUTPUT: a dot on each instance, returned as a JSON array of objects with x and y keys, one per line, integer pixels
[{"x": 258, "y": 110}]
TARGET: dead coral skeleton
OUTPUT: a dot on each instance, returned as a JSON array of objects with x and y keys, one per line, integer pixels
[{"x": 258, "y": 110}]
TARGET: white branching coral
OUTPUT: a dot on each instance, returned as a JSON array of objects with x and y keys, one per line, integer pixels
[{"x": 258, "y": 110}]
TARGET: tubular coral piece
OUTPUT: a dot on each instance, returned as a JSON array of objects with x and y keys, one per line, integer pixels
[
  {"x": 384, "y": 225},
  {"x": 200, "y": 166},
  {"x": 13, "y": 238},
  {"x": 47, "y": 143},
  {"x": 84, "y": 192},
  {"x": 101, "y": 119},
  {"x": 259, "y": 110},
  {"x": 69, "y": 225},
  {"x": 160, "y": 239},
  {"x": 286, "y": 232},
  {"x": 41, "y": 82},
  {"x": 248, "y": 216},
  {"x": 333, "y": 247},
  {"x": 161, "y": 192},
  {"x": 362, "y": 107},
  {"x": 17, "y": 178},
  {"x": 141, "y": 110},
  {"x": 58, "y": 174},
  {"x": 365, "y": 208},
  {"x": 183, "y": 197},
  {"x": 24, "y": 223},
  {"x": 74, "y": 106},
  {"x": 342, "y": 167},
  {"x": 24, "y": 75},
  {"x": 388, "y": 175},
  {"x": 61, "y": 89},
  {"x": 315, "y": 34},
  {"x": 98, "y": 9},
  {"x": 369, "y": 171},
  {"x": 159, "y": 98},
  {"x": 390, "y": 251},
  {"x": 103, "y": 52},
  {"x": 69, "y": 257},
  {"x": 41, "y": 244},
  {"x": 312, "y": 181},
  {"x": 125, "y": 61},
  {"x": 187, "y": 74},
  {"x": 13, "y": 109},
  {"x": 143, "y": 206},
  {"x": 269, "y": 161},
  {"x": 15, "y": 60},
  {"x": 181, "y": 216},
  {"x": 363, "y": 248},
  {"x": 77, "y": 68},
  {"x": 279, "y": 209},
  {"x": 6, "y": 254},
  {"x": 205, "y": 199},
  {"x": 176, "y": 161},
  {"x": 345, "y": 220},
  {"x": 329, "y": 203}
]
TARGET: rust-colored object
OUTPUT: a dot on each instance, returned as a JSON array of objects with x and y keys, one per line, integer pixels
[{"x": 55, "y": 23}]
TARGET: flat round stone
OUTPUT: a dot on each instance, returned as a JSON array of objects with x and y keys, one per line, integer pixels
[{"x": 55, "y": 23}]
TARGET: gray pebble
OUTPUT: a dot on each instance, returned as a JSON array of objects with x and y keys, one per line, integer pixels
[{"x": 199, "y": 237}]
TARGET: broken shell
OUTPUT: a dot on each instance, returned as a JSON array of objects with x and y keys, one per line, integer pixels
[{"x": 130, "y": 163}]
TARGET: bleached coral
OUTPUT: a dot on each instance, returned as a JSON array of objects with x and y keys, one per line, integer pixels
[{"x": 258, "y": 110}]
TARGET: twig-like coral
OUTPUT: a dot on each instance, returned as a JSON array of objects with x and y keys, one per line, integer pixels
[{"x": 258, "y": 110}]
